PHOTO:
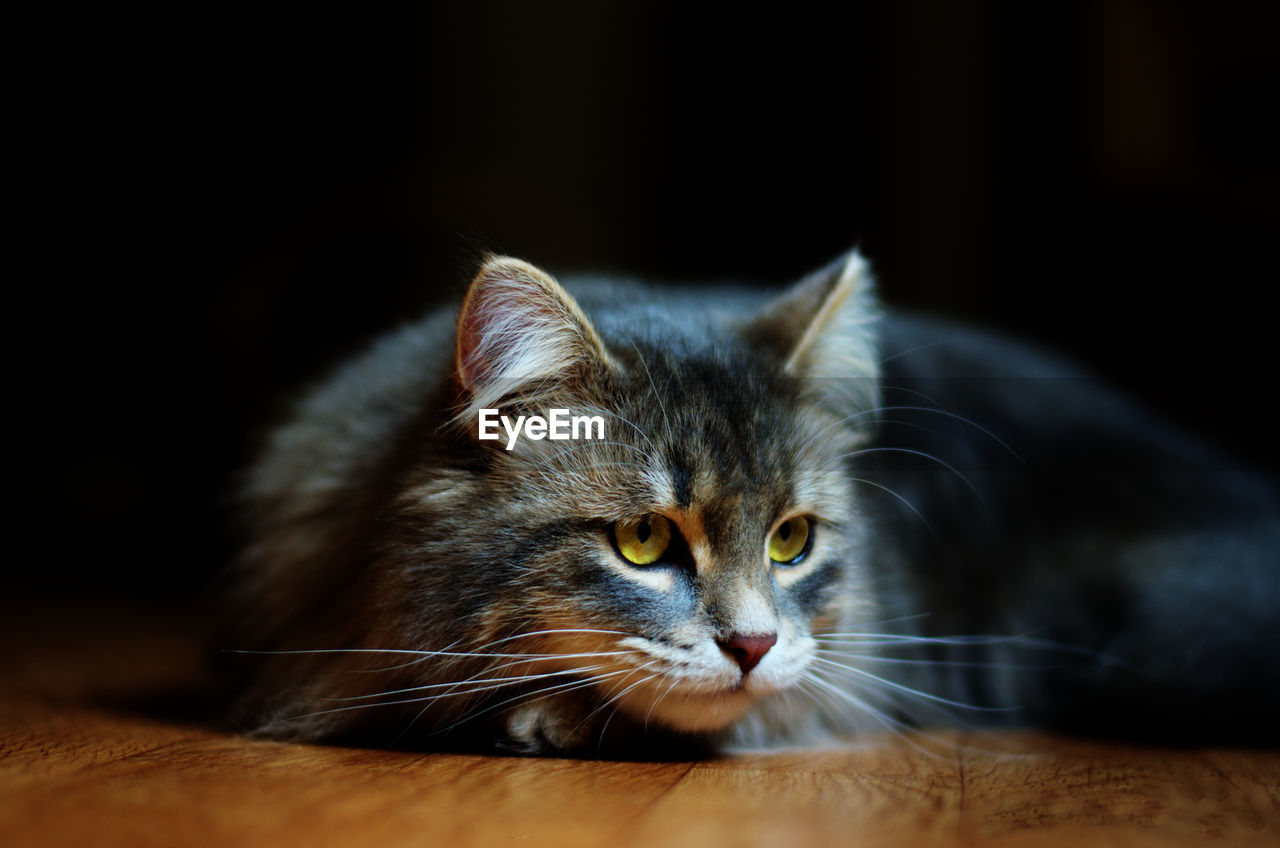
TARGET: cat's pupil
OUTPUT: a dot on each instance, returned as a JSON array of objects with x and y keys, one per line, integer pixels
[
  {"x": 643, "y": 532},
  {"x": 784, "y": 532}
]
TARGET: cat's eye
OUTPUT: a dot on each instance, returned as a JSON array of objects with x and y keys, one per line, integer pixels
[
  {"x": 643, "y": 540},
  {"x": 790, "y": 542}
]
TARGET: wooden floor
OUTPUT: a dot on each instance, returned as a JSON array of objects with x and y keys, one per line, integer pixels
[{"x": 75, "y": 772}]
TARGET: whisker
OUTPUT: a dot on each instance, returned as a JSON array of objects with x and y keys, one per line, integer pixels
[
  {"x": 498, "y": 684},
  {"x": 908, "y": 732},
  {"x": 809, "y": 688},
  {"x": 906, "y": 502},
  {"x": 901, "y": 687},
  {"x": 921, "y": 454},
  {"x": 555, "y": 631},
  {"x": 567, "y": 686},
  {"x": 898, "y": 728},
  {"x": 656, "y": 701},
  {"x": 616, "y": 700},
  {"x": 960, "y": 418},
  {"x": 480, "y": 652},
  {"x": 913, "y": 349},
  {"x": 978, "y": 639},
  {"x": 653, "y": 386},
  {"x": 1019, "y": 641},
  {"x": 406, "y": 664},
  {"x": 900, "y": 618},
  {"x": 618, "y": 683},
  {"x": 546, "y": 692},
  {"x": 903, "y": 661},
  {"x": 490, "y": 670}
]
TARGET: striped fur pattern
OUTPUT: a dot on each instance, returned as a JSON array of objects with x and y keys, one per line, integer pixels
[
  {"x": 405, "y": 577},
  {"x": 408, "y": 583}
]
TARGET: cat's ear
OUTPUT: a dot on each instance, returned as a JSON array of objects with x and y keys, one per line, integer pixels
[
  {"x": 520, "y": 330},
  {"x": 823, "y": 325}
]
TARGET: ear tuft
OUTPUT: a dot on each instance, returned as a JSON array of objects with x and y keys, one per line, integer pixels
[{"x": 519, "y": 329}]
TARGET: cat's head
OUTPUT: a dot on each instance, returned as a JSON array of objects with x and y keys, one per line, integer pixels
[{"x": 681, "y": 562}]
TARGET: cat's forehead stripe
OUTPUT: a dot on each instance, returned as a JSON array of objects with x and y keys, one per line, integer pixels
[{"x": 682, "y": 482}]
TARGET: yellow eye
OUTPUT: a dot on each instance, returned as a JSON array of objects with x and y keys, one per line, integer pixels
[
  {"x": 790, "y": 542},
  {"x": 644, "y": 540}
]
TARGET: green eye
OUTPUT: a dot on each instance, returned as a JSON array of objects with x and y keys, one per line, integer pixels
[
  {"x": 643, "y": 540},
  {"x": 790, "y": 542}
]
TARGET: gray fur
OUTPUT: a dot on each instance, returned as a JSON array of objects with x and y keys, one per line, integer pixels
[{"x": 396, "y": 564}]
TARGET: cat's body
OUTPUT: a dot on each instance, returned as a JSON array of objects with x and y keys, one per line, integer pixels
[{"x": 984, "y": 526}]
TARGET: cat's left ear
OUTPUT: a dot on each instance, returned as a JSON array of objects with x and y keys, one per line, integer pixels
[{"x": 824, "y": 325}]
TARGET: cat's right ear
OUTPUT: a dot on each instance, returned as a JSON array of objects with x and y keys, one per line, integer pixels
[
  {"x": 519, "y": 332},
  {"x": 821, "y": 327}
]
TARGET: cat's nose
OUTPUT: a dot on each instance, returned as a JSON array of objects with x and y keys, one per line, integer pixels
[{"x": 747, "y": 651}]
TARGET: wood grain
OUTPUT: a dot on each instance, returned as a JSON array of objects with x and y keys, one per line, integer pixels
[{"x": 72, "y": 773}]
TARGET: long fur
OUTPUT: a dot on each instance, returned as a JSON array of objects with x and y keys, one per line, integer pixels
[{"x": 996, "y": 538}]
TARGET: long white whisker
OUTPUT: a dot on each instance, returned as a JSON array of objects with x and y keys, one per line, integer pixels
[
  {"x": 884, "y": 718},
  {"x": 906, "y": 502},
  {"x": 490, "y": 670},
  {"x": 653, "y": 386},
  {"x": 977, "y": 639},
  {"x": 960, "y": 418},
  {"x": 609, "y": 698},
  {"x": 497, "y": 683},
  {"x": 537, "y": 695},
  {"x": 616, "y": 700},
  {"x": 913, "y": 349},
  {"x": 902, "y": 661},
  {"x": 406, "y": 664},
  {"x": 923, "y": 455},
  {"x": 550, "y": 690},
  {"x": 906, "y": 640},
  {"x": 907, "y": 689},
  {"x": 656, "y": 701},
  {"x": 480, "y": 652},
  {"x": 902, "y": 730},
  {"x": 819, "y": 697}
]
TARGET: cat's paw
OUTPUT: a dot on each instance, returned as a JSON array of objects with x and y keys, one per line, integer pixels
[{"x": 545, "y": 728}]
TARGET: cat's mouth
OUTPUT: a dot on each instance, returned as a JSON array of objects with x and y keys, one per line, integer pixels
[{"x": 691, "y": 692}]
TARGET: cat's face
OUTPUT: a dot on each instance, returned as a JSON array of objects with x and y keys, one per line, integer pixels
[{"x": 680, "y": 565}]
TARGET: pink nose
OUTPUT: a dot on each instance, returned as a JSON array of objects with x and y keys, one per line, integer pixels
[{"x": 747, "y": 651}]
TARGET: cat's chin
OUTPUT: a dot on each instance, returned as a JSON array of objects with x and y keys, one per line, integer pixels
[{"x": 692, "y": 712}]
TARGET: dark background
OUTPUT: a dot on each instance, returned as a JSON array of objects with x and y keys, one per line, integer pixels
[{"x": 218, "y": 203}]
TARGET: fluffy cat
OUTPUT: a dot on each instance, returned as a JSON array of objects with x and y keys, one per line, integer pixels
[{"x": 806, "y": 518}]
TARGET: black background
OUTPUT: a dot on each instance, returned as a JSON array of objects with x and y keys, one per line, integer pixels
[{"x": 215, "y": 204}]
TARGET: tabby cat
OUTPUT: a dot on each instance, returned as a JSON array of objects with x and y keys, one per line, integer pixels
[{"x": 806, "y": 518}]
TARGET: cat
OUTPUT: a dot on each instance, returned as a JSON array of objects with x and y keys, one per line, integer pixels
[{"x": 807, "y": 517}]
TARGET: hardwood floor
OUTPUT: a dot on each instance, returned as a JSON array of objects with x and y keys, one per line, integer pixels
[{"x": 75, "y": 772}]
